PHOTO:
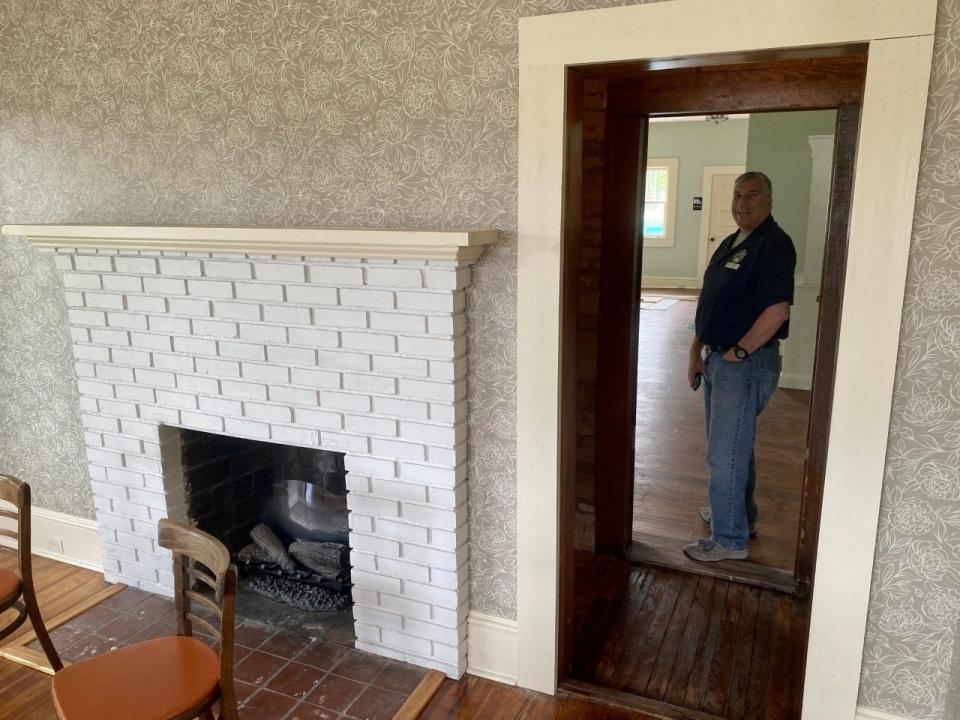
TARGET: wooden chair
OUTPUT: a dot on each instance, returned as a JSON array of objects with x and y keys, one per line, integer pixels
[
  {"x": 170, "y": 678},
  {"x": 17, "y": 591}
]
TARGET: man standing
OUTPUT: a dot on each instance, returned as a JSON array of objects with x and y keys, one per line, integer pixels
[{"x": 742, "y": 314}]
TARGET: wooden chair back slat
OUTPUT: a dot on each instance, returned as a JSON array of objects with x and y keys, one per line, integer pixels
[
  {"x": 17, "y": 493},
  {"x": 206, "y": 578},
  {"x": 195, "y": 544},
  {"x": 197, "y": 598},
  {"x": 213, "y": 632},
  {"x": 10, "y": 489}
]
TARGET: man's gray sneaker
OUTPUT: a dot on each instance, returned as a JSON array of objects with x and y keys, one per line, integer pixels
[
  {"x": 706, "y": 550},
  {"x": 706, "y": 514}
]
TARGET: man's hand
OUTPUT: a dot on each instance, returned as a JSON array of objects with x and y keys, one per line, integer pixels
[
  {"x": 731, "y": 356},
  {"x": 695, "y": 363}
]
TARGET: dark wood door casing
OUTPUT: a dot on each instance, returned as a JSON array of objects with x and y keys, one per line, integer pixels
[
  {"x": 620, "y": 272},
  {"x": 793, "y": 84},
  {"x": 828, "y": 337},
  {"x": 573, "y": 182}
]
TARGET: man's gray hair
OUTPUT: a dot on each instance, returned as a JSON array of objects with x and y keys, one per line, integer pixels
[{"x": 759, "y": 176}]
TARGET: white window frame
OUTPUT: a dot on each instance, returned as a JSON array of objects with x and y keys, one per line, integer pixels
[{"x": 668, "y": 238}]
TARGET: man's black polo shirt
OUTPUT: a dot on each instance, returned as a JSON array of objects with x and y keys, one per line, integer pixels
[{"x": 742, "y": 282}]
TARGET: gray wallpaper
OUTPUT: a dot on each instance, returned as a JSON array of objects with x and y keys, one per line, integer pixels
[
  {"x": 916, "y": 586},
  {"x": 261, "y": 112},
  {"x": 402, "y": 113}
]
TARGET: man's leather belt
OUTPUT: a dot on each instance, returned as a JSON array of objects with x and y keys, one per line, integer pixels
[{"x": 725, "y": 348}]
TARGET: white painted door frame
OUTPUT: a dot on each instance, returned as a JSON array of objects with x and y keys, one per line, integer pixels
[
  {"x": 900, "y": 38},
  {"x": 708, "y": 172}
]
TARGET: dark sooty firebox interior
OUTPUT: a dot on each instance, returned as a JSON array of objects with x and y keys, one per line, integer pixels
[{"x": 282, "y": 513}]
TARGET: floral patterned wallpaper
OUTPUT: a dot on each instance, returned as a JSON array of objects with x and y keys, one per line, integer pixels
[
  {"x": 915, "y": 605},
  {"x": 402, "y": 113}
]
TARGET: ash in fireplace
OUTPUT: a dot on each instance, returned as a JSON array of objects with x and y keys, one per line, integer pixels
[
  {"x": 295, "y": 593},
  {"x": 309, "y": 575}
]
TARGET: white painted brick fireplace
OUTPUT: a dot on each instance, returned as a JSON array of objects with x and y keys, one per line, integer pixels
[{"x": 309, "y": 345}]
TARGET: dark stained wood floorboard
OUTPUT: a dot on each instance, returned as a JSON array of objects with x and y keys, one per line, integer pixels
[
  {"x": 677, "y": 628},
  {"x": 692, "y": 694},
  {"x": 646, "y": 637},
  {"x": 474, "y": 698},
  {"x": 702, "y": 644},
  {"x": 692, "y": 641},
  {"x": 740, "y": 671},
  {"x": 670, "y": 479}
]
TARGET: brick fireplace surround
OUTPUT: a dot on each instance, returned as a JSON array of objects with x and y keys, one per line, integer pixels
[{"x": 346, "y": 340}]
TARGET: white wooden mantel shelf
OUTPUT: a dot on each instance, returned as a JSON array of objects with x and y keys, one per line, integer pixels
[{"x": 462, "y": 246}]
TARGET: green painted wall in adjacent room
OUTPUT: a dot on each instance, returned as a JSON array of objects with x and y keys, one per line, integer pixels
[
  {"x": 777, "y": 145},
  {"x": 695, "y": 144}
]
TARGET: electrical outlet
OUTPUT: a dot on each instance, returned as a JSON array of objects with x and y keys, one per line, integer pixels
[{"x": 54, "y": 544}]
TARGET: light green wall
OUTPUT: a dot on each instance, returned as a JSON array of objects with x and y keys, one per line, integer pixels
[
  {"x": 695, "y": 144},
  {"x": 777, "y": 145}
]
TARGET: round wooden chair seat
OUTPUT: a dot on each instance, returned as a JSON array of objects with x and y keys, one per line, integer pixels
[
  {"x": 151, "y": 680},
  {"x": 9, "y": 587}
]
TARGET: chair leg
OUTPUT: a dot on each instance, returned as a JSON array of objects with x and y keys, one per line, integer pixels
[{"x": 43, "y": 636}]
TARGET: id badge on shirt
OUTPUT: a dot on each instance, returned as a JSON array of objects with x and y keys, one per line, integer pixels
[{"x": 736, "y": 259}]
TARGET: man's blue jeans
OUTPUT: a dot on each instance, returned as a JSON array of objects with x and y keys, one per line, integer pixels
[{"x": 734, "y": 394}]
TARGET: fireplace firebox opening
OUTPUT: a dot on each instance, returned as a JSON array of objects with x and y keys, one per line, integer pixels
[{"x": 282, "y": 513}]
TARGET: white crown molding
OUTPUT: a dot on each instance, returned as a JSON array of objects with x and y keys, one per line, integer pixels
[{"x": 462, "y": 246}]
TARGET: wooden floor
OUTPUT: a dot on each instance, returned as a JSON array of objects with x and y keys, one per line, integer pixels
[
  {"x": 670, "y": 472},
  {"x": 474, "y": 698},
  {"x": 25, "y": 693},
  {"x": 670, "y": 639}
]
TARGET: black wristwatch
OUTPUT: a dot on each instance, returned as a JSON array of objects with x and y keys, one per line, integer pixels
[{"x": 740, "y": 352}]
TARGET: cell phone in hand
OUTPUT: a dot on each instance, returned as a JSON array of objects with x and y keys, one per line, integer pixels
[{"x": 697, "y": 379}]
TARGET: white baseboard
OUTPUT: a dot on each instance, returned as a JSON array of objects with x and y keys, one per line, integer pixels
[
  {"x": 795, "y": 381},
  {"x": 66, "y": 538},
  {"x": 653, "y": 282},
  {"x": 492, "y": 647},
  {"x": 864, "y": 713}
]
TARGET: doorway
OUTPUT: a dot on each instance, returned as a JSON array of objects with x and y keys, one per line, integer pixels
[
  {"x": 900, "y": 40},
  {"x": 795, "y": 150},
  {"x": 640, "y": 621}
]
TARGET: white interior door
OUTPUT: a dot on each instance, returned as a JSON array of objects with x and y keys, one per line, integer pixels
[{"x": 716, "y": 221}]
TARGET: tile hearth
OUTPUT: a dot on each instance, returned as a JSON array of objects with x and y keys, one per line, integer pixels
[{"x": 279, "y": 675}]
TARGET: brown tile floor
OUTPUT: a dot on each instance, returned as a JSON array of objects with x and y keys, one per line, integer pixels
[{"x": 278, "y": 675}]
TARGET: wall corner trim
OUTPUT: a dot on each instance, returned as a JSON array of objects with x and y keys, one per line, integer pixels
[{"x": 492, "y": 647}]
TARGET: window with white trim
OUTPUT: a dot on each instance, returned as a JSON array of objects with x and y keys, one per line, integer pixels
[{"x": 660, "y": 202}]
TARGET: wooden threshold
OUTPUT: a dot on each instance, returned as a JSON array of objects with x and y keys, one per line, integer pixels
[
  {"x": 17, "y": 650},
  {"x": 421, "y": 696},
  {"x": 651, "y": 550},
  {"x": 629, "y": 701}
]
